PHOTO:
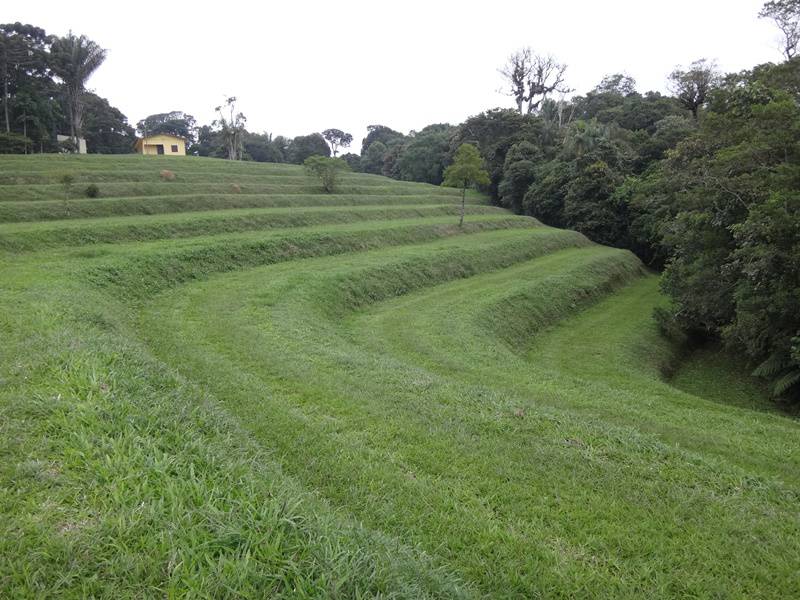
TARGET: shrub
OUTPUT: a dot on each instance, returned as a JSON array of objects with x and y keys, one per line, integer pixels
[
  {"x": 167, "y": 175},
  {"x": 67, "y": 147},
  {"x": 92, "y": 191},
  {"x": 327, "y": 169}
]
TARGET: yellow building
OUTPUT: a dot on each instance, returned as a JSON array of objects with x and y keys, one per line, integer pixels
[{"x": 163, "y": 143}]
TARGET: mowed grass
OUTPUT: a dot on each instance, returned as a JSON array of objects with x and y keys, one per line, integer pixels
[{"x": 362, "y": 399}]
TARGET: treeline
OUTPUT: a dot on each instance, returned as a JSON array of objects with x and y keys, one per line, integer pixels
[
  {"x": 707, "y": 189},
  {"x": 702, "y": 184},
  {"x": 43, "y": 95}
]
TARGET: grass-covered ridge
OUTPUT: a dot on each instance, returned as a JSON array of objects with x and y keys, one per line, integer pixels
[{"x": 349, "y": 396}]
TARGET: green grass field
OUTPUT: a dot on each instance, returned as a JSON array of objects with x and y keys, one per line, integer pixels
[{"x": 274, "y": 392}]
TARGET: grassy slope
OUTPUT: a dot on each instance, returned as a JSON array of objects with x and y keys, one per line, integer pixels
[{"x": 334, "y": 400}]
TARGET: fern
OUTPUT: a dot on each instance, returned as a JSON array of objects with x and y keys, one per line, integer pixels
[
  {"x": 786, "y": 382},
  {"x": 773, "y": 366}
]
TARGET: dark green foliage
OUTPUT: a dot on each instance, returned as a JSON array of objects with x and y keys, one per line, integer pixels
[
  {"x": 767, "y": 291},
  {"x": 176, "y": 123},
  {"x": 519, "y": 172},
  {"x": 209, "y": 143},
  {"x": 391, "y": 159},
  {"x": 668, "y": 132},
  {"x": 262, "y": 148},
  {"x": 629, "y": 110},
  {"x": 426, "y": 154},
  {"x": 106, "y": 128},
  {"x": 728, "y": 210},
  {"x": 14, "y": 143},
  {"x": 784, "y": 76},
  {"x": 304, "y": 146},
  {"x": 372, "y": 161},
  {"x": 494, "y": 132},
  {"x": 545, "y": 197},
  {"x": 92, "y": 191},
  {"x": 577, "y": 189},
  {"x": 352, "y": 160},
  {"x": 379, "y": 133},
  {"x": 591, "y": 207},
  {"x": 30, "y": 95}
]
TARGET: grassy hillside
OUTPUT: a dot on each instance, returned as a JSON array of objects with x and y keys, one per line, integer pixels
[{"x": 233, "y": 385}]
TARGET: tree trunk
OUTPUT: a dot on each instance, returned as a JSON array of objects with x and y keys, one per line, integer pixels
[
  {"x": 463, "y": 201},
  {"x": 71, "y": 110},
  {"x": 5, "y": 95}
]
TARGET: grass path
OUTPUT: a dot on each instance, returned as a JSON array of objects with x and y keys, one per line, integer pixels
[{"x": 424, "y": 422}]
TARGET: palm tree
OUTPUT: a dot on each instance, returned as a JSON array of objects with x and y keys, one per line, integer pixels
[
  {"x": 75, "y": 59},
  {"x": 584, "y": 136}
]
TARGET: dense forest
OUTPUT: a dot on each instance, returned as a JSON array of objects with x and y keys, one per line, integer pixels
[{"x": 702, "y": 183}]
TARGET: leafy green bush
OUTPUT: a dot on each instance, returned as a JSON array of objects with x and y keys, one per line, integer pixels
[
  {"x": 67, "y": 147},
  {"x": 327, "y": 169},
  {"x": 92, "y": 191}
]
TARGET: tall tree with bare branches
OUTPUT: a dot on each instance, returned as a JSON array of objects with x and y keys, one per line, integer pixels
[
  {"x": 231, "y": 128},
  {"x": 531, "y": 78},
  {"x": 75, "y": 58},
  {"x": 516, "y": 72}
]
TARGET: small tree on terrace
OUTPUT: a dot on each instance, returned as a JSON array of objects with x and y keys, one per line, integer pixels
[
  {"x": 466, "y": 171},
  {"x": 327, "y": 169},
  {"x": 337, "y": 139}
]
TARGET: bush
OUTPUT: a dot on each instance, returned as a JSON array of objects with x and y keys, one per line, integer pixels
[
  {"x": 167, "y": 175},
  {"x": 669, "y": 328},
  {"x": 67, "y": 147},
  {"x": 327, "y": 169}
]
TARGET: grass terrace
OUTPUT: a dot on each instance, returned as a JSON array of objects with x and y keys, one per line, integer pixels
[{"x": 235, "y": 385}]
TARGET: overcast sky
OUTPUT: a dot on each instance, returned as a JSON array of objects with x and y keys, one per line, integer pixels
[{"x": 299, "y": 67}]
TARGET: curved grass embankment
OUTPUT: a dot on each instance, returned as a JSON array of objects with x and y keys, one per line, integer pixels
[{"x": 307, "y": 395}]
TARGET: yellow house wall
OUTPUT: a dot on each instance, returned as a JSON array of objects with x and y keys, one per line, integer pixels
[{"x": 150, "y": 143}]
